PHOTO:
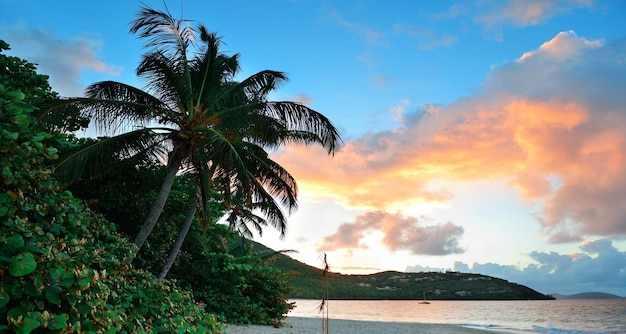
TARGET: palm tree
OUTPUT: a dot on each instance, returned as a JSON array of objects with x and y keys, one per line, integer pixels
[
  {"x": 194, "y": 110},
  {"x": 241, "y": 206}
]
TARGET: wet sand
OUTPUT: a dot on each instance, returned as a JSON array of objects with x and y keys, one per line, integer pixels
[{"x": 293, "y": 325}]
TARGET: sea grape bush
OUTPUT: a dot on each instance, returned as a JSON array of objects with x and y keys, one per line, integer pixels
[
  {"x": 244, "y": 290},
  {"x": 228, "y": 278},
  {"x": 45, "y": 253},
  {"x": 61, "y": 265}
]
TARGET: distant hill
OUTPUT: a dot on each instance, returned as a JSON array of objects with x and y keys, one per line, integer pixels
[
  {"x": 587, "y": 295},
  {"x": 307, "y": 284}
]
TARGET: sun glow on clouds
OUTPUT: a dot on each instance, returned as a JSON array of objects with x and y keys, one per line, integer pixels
[
  {"x": 564, "y": 45},
  {"x": 535, "y": 126},
  {"x": 396, "y": 233}
]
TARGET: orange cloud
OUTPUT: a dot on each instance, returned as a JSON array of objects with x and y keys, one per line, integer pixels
[
  {"x": 523, "y": 142},
  {"x": 561, "y": 143},
  {"x": 397, "y": 167},
  {"x": 399, "y": 233}
]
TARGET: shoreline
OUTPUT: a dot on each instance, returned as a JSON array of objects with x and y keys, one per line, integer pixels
[{"x": 299, "y": 325}]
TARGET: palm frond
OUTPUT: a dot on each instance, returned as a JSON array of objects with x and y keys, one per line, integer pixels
[
  {"x": 240, "y": 219},
  {"x": 297, "y": 137},
  {"x": 264, "y": 202},
  {"x": 112, "y": 104},
  {"x": 229, "y": 165},
  {"x": 270, "y": 175},
  {"x": 162, "y": 32},
  {"x": 271, "y": 133},
  {"x": 110, "y": 154},
  {"x": 243, "y": 213},
  {"x": 273, "y": 124},
  {"x": 299, "y": 117},
  {"x": 211, "y": 69},
  {"x": 165, "y": 78},
  {"x": 259, "y": 85},
  {"x": 266, "y": 257},
  {"x": 244, "y": 204}
]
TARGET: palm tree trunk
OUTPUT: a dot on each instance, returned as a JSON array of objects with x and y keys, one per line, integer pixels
[
  {"x": 179, "y": 242},
  {"x": 157, "y": 207}
]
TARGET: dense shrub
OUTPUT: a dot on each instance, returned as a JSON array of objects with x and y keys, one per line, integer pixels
[
  {"x": 234, "y": 283},
  {"x": 245, "y": 290},
  {"x": 60, "y": 264}
]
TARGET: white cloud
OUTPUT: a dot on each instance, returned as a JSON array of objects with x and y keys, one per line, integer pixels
[
  {"x": 372, "y": 36},
  {"x": 302, "y": 99},
  {"x": 426, "y": 38},
  {"x": 64, "y": 61}
]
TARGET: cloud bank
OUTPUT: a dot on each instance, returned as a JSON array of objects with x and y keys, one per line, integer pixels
[
  {"x": 63, "y": 61},
  {"x": 551, "y": 123},
  {"x": 599, "y": 267}
]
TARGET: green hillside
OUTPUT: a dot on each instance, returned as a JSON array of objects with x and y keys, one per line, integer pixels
[{"x": 307, "y": 284}]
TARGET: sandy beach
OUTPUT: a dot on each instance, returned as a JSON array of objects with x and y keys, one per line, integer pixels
[{"x": 293, "y": 325}]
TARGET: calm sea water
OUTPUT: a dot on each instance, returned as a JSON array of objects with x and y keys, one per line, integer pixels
[{"x": 545, "y": 316}]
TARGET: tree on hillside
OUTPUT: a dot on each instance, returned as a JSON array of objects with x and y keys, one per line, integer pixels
[{"x": 194, "y": 111}]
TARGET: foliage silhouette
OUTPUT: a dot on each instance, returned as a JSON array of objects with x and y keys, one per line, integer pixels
[{"x": 195, "y": 114}]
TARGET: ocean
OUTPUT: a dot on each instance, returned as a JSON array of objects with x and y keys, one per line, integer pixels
[{"x": 582, "y": 316}]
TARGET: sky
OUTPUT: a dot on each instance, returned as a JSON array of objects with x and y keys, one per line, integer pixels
[{"x": 479, "y": 136}]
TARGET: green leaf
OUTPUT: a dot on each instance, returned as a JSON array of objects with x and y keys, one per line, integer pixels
[
  {"x": 53, "y": 294},
  {"x": 58, "y": 321},
  {"x": 38, "y": 137},
  {"x": 83, "y": 308},
  {"x": 5, "y": 198},
  {"x": 16, "y": 291},
  {"x": 31, "y": 290},
  {"x": 4, "y": 298},
  {"x": 29, "y": 325},
  {"x": 15, "y": 241},
  {"x": 15, "y": 312},
  {"x": 66, "y": 281},
  {"x": 10, "y": 135},
  {"x": 84, "y": 282},
  {"x": 36, "y": 315},
  {"x": 21, "y": 121},
  {"x": 22, "y": 264}
]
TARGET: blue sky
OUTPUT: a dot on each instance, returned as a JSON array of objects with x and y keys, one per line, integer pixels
[{"x": 482, "y": 136}]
